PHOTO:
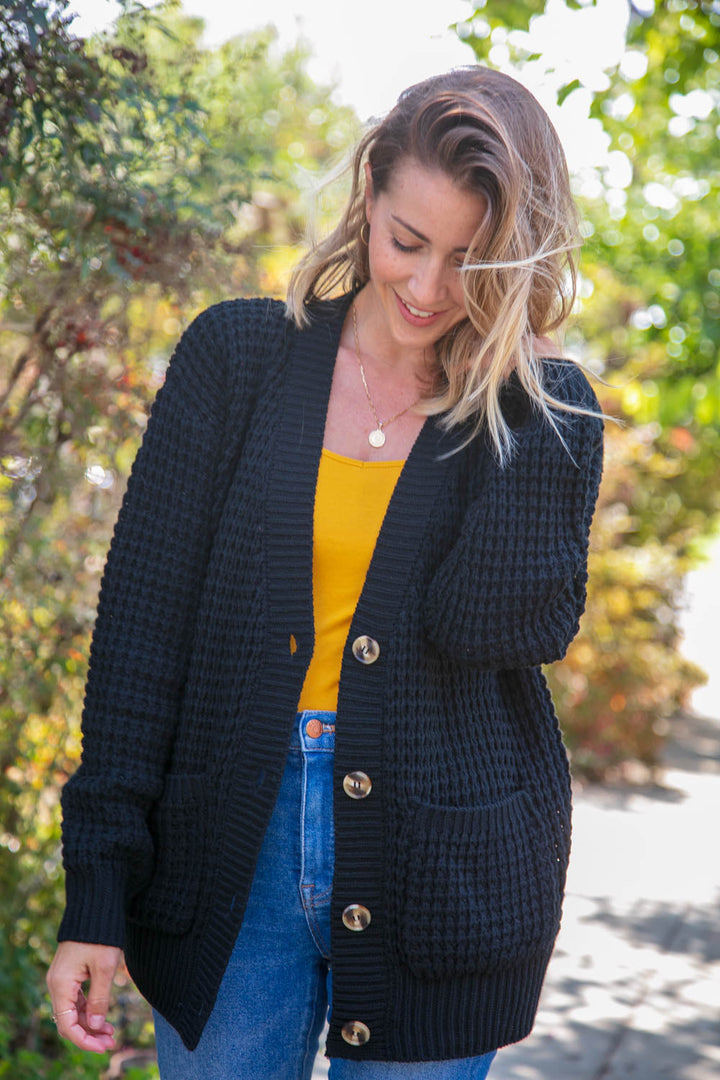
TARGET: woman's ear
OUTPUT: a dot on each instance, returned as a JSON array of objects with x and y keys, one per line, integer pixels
[{"x": 369, "y": 193}]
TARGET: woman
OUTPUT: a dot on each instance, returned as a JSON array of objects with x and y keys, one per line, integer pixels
[{"x": 315, "y": 730}]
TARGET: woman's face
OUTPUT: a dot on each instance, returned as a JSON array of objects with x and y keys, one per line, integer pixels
[{"x": 420, "y": 229}]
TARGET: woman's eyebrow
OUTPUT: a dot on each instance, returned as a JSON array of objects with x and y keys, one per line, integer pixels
[{"x": 419, "y": 235}]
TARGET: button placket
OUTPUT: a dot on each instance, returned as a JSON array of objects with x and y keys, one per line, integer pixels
[{"x": 356, "y": 917}]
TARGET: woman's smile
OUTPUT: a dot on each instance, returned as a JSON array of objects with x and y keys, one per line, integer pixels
[{"x": 416, "y": 316}]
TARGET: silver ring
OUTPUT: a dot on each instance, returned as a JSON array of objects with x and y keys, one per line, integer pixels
[{"x": 65, "y": 1012}]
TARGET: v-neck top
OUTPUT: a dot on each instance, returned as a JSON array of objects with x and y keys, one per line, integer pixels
[{"x": 351, "y": 499}]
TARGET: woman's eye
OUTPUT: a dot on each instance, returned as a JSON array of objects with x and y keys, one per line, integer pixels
[{"x": 406, "y": 248}]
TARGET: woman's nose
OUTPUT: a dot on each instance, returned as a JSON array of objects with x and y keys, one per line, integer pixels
[{"x": 428, "y": 282}]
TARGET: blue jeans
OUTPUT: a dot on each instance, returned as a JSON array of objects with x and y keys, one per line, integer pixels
[{"x": 273, "y": 999}]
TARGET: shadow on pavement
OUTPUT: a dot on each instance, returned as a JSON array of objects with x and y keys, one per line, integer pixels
[
  {"x": 693, "y": 744},
  {"x": 592, "y": 1053},
  {"x": 671, "y": 927}
]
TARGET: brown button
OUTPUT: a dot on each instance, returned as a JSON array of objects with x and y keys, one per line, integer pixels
[
  {"x": 365, "y": 649},
  {"x": 314, "y": 728},
  {"x": 355, "y": 1032},
  {"x": 356, "y": 917},
  {"x": 357, "y": 785}
]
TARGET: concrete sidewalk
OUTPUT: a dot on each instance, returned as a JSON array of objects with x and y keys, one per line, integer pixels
[{"x": 633, "y": 990}]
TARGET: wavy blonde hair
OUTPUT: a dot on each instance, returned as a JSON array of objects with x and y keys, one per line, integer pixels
[{"x": 492, "y": 138}]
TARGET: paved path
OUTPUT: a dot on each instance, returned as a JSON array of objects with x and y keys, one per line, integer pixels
[{"x": 633, "y": 990}]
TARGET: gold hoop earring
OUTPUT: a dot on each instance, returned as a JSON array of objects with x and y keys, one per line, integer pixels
[{"x": 365, "y": 236}]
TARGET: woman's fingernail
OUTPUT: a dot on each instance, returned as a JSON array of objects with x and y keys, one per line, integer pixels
[{"x": 96, "y": 1021}]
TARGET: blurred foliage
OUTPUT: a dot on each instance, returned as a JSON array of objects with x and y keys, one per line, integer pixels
[
  {"x": 648, "y": 322},
  {"x": 624, "y": 677},
  {"x": 141, "y": 178}
]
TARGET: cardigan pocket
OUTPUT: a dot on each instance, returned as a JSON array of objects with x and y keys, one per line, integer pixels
[
  {"x": 482, "y": 888},
  {"x": 176, "y": 825}
]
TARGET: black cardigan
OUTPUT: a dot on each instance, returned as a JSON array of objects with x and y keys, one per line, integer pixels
[{"x": 205, "y": 626}]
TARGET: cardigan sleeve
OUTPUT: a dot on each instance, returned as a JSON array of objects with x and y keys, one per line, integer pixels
[
  {"x": 149, "y": 593},
  {"x": 511, "y": 590}
]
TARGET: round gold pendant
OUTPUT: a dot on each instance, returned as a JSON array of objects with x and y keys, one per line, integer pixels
[{"x": 376, "y": 438}]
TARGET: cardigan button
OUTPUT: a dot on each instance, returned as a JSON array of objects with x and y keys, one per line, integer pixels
[
  {"x": 355, "y": 1032},
  {"x": 357, "y": 785},
  {"x": 365, "y": 649},
  {"x": 356, "y": 917}
]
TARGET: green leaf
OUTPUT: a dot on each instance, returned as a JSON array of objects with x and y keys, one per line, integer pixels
[{"x": 565, "y": 91}]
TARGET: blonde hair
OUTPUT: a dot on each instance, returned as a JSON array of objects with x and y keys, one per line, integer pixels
[{"x": 491, "y": 137}]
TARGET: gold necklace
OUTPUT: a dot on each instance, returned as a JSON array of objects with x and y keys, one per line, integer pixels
[{"x": 376, "y": 437}]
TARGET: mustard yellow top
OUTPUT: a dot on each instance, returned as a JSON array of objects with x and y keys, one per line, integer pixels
[{"x": 350, "y": 503}]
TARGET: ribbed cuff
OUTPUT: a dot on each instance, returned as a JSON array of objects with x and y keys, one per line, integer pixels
[{"x": 94, "y": 910}]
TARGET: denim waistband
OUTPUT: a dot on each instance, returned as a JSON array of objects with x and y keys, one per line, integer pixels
[{"x": 314, "y": 729}]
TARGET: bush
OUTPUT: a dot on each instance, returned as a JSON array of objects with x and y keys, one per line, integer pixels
[{"x": 624, "y": 678}]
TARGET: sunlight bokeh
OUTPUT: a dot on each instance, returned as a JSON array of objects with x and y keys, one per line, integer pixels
[{"x": 395, "y": 45}]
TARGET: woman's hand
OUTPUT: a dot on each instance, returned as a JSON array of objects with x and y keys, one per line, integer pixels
[{"x": 79, "y": 1018}]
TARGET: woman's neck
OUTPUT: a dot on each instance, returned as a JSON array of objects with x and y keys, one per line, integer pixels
[{"x": 379, "y": 351}]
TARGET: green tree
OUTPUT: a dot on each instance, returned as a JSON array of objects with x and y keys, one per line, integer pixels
[
  {"x": 649, "y": 323},
  {"x": 141, "y": 178}
]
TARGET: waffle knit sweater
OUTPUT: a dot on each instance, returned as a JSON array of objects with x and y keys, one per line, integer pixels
[{"x": 204, "y": 633}]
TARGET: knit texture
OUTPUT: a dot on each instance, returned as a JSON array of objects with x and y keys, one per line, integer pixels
[{"x": 204, "y": 634}]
